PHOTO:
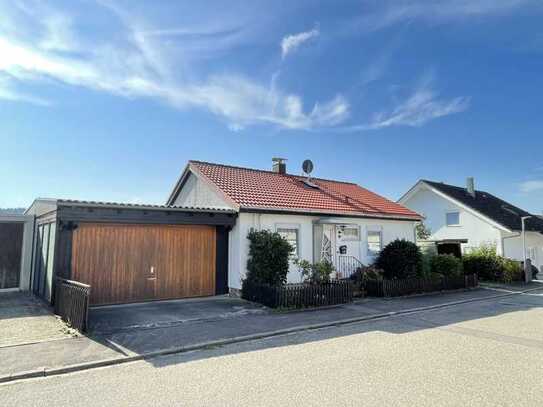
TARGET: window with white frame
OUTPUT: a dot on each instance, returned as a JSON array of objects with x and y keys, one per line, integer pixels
[
  {"x": 291, "y": 235},
  {"x": 375, "y": 242},
  {"x": 453, "y": 218},
  {"x": 350, "y": 233}
]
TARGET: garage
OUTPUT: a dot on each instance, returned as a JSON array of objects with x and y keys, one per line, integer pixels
[{"x": 131, "y": 253}]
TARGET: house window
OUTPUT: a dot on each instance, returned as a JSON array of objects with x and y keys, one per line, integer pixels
[
  {"x": 350, "y": 233},
  {"x": 291, "y": 236},
  {"x": 375, "y": 242},
  {"x": 453, "y": 218}
]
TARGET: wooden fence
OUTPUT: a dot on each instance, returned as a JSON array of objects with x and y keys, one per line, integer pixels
[
  {"x": 396, "y": 288},
  {"x": 71, "y": 302},
  {"x": 299, "y": 295}
]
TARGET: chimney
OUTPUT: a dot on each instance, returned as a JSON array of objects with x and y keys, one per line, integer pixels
[
  {"x": 470, "y": 186},
  {"x": 279, "y": 165}
]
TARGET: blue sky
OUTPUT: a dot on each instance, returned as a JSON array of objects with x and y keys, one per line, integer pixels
[{"x": 107, "y": 100}]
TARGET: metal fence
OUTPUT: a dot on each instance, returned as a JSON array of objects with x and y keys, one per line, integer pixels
[
  {"x": 396, "y": 288},
  {"x": 71, "y": 302},
  {"x": 346, "y": 266},
  {"x": 299, "y": 295}
]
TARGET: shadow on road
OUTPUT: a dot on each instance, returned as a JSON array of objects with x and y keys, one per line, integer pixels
[{"x": 142, "y": 341}]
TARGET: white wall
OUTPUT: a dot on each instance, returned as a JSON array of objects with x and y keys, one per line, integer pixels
[
  {"x": 513, "y": 247},
  {"x": 239, "y": 245},
  {"x": 195, "y": 192},
  {"x": 434, "y": 208}
]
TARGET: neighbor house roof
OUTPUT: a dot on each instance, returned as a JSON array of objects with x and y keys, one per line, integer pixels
[
  {"x": 251, "y": 189},
  {"x": 492, "y": 207}
]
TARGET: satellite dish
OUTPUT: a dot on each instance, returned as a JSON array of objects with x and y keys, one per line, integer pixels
[{"x": 307, "y": 166}]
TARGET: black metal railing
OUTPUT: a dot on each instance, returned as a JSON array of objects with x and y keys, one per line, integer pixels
[
  {"x": 299, "y": 295},
  {"x": 346, "y": 266},
  {"x": 396, "y": 288},
  {"x": 71, "y": 302}
]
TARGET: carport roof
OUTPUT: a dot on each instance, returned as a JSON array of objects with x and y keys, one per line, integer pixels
[
  {"x": 101, "y": 204},
  {"x": 121, "y": 205}
]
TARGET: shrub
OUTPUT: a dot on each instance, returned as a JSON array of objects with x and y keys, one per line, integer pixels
[
  {"x": 321, "y": 272},
  {"x": 315, "y": 273},
  {"x": 366, "y": 273},
  {"x": 400, "y": 259},
  {"x": 446, "y": 265},
  {"x": 485, "y": 262},
  {"x": 426, "y": 264},
  {"x": 512, "y": 271},
  {"x": 422, "y": 231},
  {"x": 268, "y": 258}
]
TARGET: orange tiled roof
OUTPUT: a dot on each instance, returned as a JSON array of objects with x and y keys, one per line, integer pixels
[{"x": 258, "y": 189}]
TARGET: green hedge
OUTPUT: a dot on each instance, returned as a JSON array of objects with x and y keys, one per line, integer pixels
[
  {"x": 400, "y": 259},
  {"x": 447, "y": 265}
]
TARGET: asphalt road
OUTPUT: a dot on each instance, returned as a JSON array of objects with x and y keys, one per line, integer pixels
[{"x": 480, "y": 354}]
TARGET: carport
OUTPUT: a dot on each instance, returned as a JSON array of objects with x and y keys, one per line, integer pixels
[{"x": 130, "y": 253}]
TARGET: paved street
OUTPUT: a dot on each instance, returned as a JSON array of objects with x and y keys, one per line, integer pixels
[{"x": 478, "y": 354}]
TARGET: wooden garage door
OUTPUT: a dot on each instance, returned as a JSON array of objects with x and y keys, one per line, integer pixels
[{"x": 129, "y": 263}]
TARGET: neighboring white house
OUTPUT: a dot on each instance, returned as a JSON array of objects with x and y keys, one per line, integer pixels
[
  {"x": 462, "y": 218},
  {"x": 322, "y": 219}
]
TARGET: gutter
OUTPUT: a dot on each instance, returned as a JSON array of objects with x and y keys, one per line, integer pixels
[{"x": 317, "y": 212}]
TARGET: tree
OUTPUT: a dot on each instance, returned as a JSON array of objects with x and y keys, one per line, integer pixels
[{"x": 423, "y": 232}]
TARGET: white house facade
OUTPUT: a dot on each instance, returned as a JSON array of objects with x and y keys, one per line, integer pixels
[
  {"x": 322, "y": 219},
  {"x": 467, "y": 218}
]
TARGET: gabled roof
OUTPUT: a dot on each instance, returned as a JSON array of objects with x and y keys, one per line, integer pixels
[
  {"x": 491, "y": 207},
  {"x": 251, "y": 189}
]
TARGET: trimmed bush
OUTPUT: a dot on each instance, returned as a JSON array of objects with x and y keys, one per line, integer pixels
[
  {"x": 268, "y": 258},
  {"x": 446, "y": 265},
  {"x": 400, "y": 259}
]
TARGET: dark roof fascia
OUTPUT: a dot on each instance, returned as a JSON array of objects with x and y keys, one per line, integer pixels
[{"x": 127, "y": 215}]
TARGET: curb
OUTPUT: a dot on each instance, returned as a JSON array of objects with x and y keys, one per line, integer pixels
[{"x": 44, "y": 372}]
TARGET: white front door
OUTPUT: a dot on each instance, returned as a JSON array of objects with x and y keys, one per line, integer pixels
[{"x": 347, "y": 249}]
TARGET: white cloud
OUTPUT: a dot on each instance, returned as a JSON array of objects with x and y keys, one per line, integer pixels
[
  {"x": 9, "y": 93},
  {"x": 292, "y": 42},
  {"x": 139, "y": 63},
  {"x": 390, "y": 12},
  {"x": 420, "y": 107},
  {"x": 531, "y": 186}
]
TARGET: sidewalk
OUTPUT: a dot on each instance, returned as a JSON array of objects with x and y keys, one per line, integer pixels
[{"x": 59, "y": 356}]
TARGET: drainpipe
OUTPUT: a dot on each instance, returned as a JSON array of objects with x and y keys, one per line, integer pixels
[{"x": 523, "y": 219}]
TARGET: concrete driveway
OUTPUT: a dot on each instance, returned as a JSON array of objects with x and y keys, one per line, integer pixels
[
  {"x": 163, "y": 314},
  {"x": 24, "y": 319}
]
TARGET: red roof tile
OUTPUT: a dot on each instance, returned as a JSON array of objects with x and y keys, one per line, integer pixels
[{"x": 258, "y": 189}]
